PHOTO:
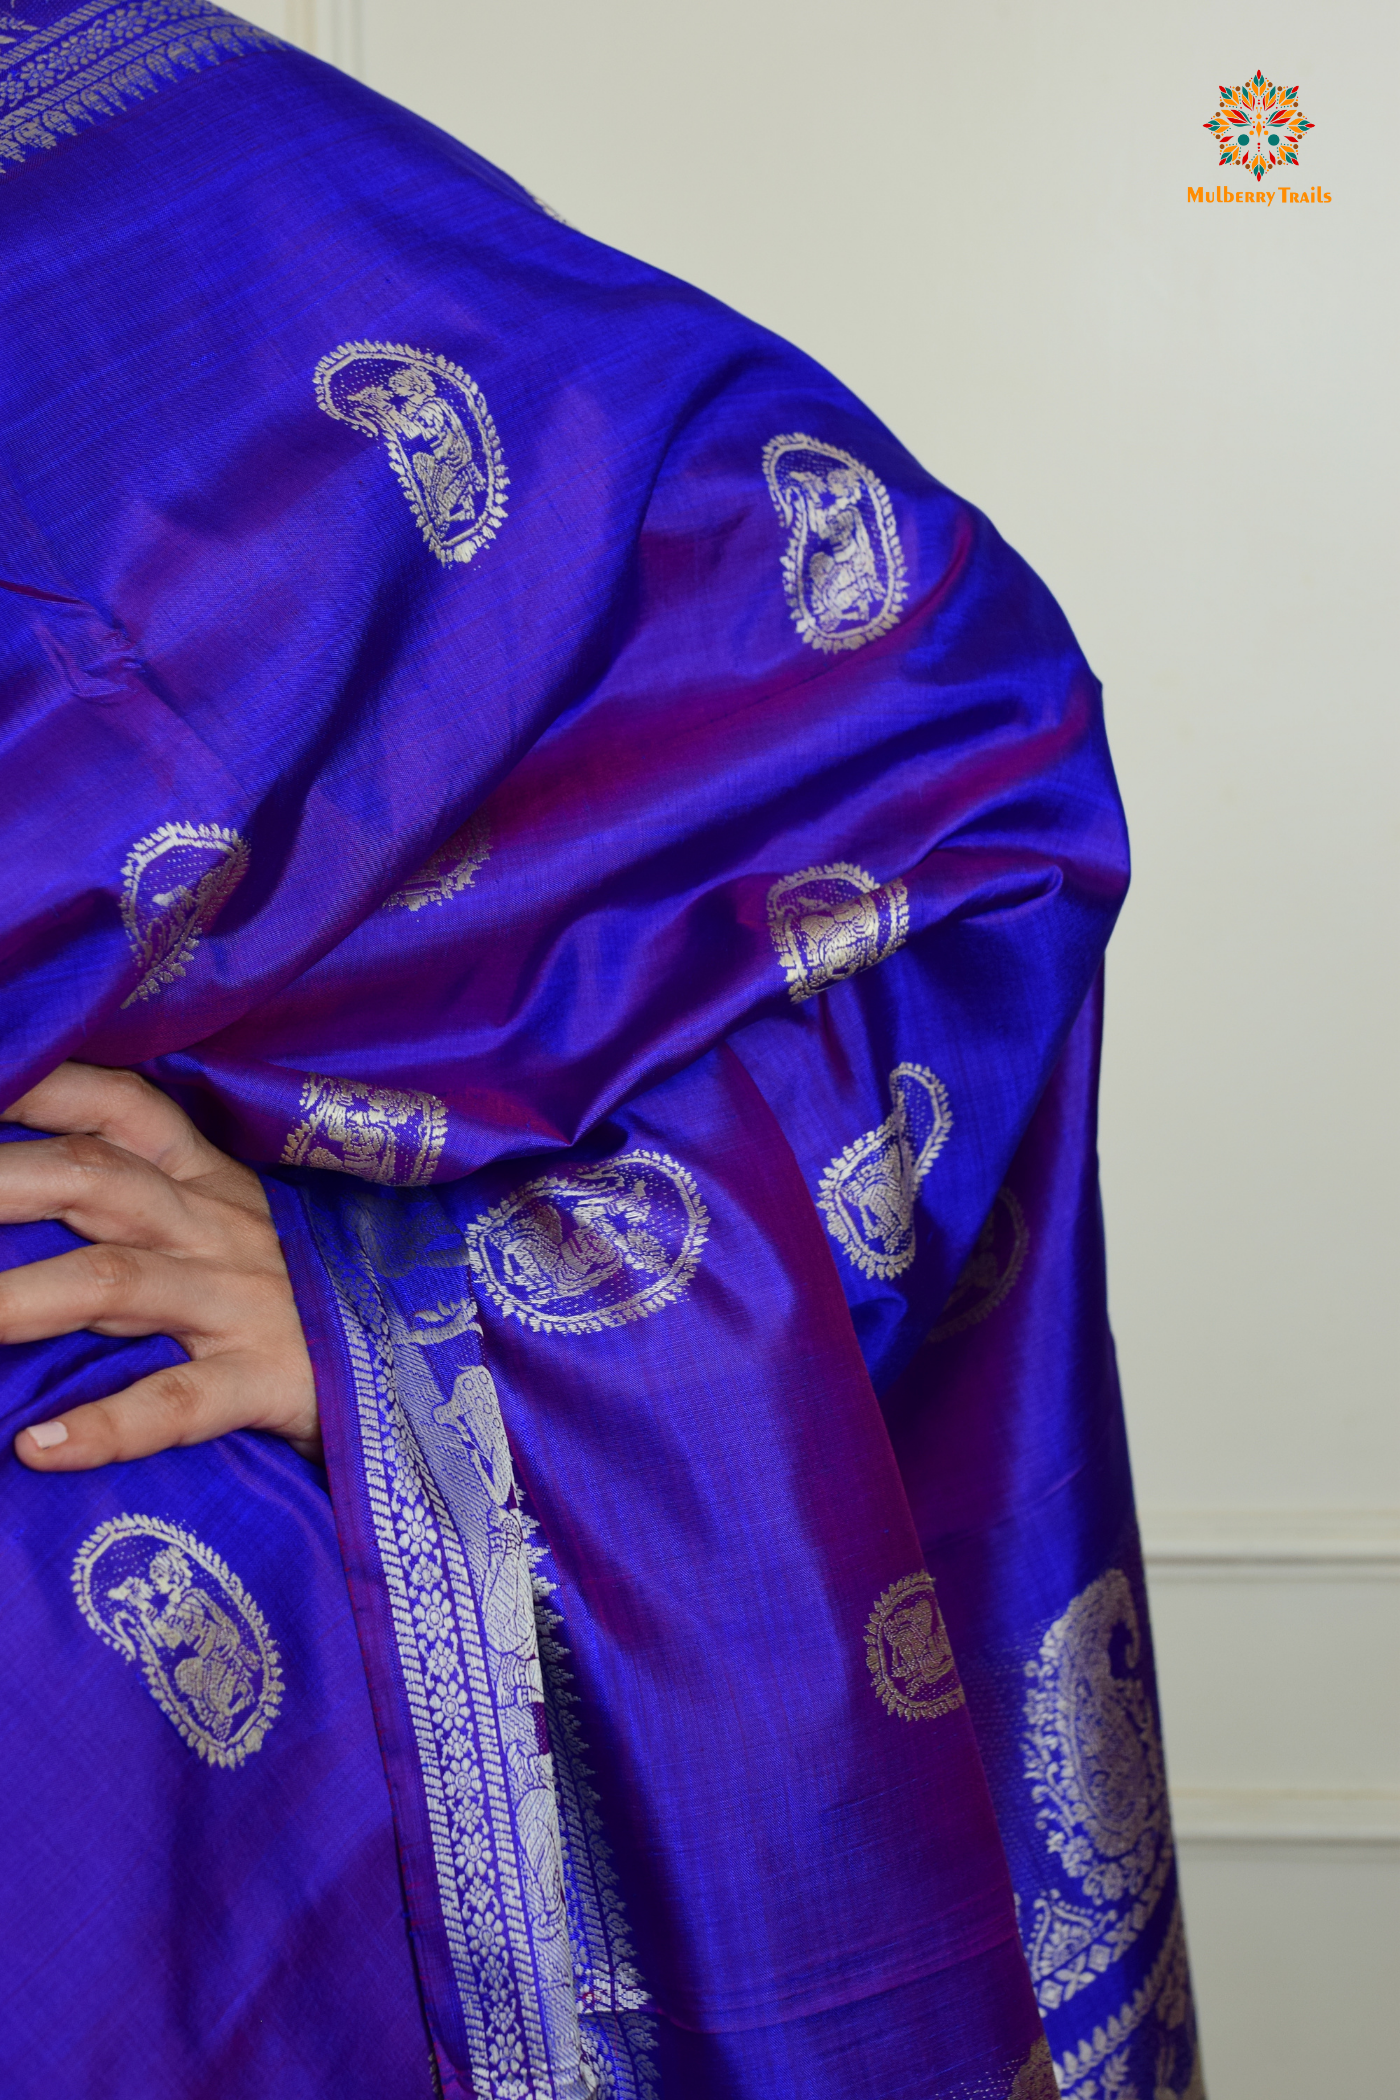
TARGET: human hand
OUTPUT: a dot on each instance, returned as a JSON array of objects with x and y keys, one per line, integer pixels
[{"x": 182, "y": 1243}]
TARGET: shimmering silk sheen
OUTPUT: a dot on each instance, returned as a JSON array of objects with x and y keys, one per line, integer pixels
[{"x": 490, "y": 984}]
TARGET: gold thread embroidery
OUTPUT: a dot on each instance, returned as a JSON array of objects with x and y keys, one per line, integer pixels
[
  {"x": 162, "y": 1598},
  {"x": 1095, "y": 1766},
  {"x": 93, "y": 63},
  {"x": 379, "y": 1133},
  {"x": 1036, "y": 2078},
  {"x": 843, "y": 567},
  {"x": 442, "y": 443},
  {"x": 455, "y": 866},
  {"x": 908, "y": 1653},
  {"x": 592, "y": 1247},
  {"x": 989, "y": 1274},
  {"x": 1166, "y": 1992},
  {"x": 827, "y": 923},
  {"x": 174, "y": 885},
  {"x": 868, "y": 1192}
]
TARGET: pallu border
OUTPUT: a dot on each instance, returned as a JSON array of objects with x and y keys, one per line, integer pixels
[
  {"x": 83, "y": 70},
  {"x": 337, "y": 1390}
]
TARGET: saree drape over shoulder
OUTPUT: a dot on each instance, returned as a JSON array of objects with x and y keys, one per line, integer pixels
[{"x": 530, "y": 763}]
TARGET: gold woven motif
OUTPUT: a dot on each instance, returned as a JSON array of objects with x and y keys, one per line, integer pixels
[
  {"x": 1036, "y": 2078},
  {"x": 165, "y": 1600},
  {"x": 990, "y": 1273},
  {"x": 175, "y": 883},
  {"x": 908, "y": 1653},
  {"x": 437, "y": 429},
  {"x": 96, "y": 61},
  {"x": 455, "y": 866},
  {"x": 843, "y": 567},
  {"x": 868, "y": 1192},
  {"x": 379, "y": 1133},
  {"x": 592, "y": 1247},
  {"x": 1094, "y": 1761},
  {"x": 829, "y": 922}
]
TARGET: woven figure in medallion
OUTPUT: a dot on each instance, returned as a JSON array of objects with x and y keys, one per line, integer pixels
[
  {"x": 908, "y": 1653},
  {"x": 595, "y": 1247},
  {"x": 868, "y": 1192},
  {"x": 828, "y": 923},
  {"x": 158, "y": 1596},
  {"x": 174, "y": 885},
  {"x": 844, "y": 567},
  {"x": 433, "y": 419},
  {"x": 378, "y": 1133}
]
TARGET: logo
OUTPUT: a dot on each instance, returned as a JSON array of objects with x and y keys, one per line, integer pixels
[
  {"x": 379, "y": 1133},
  {"x": 174, "y": 885},
  {"x": 828, "y": 923},
  {"x": 455, "y": 866},
  {"x": 908, "y": 1653},
  {"x": 592, "y": 1247},
  {"x": 868, "y": 1192},
  {"x": 162, "y": 1598},
  {"x": 441, "y": 440},
  {"x": 1258, "y": 126},
  {"x": 843, "y": 568}
]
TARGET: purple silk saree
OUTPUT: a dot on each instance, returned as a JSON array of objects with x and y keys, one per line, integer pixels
[{"x": 531, "y": 764}]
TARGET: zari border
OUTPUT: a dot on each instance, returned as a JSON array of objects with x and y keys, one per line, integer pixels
[
  {"x": 96, "y": 61},
  {"x": 411, "y": 1523},
  {"x": 487, "y": 1981}
]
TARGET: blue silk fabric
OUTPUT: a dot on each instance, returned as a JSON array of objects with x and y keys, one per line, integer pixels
[{"x": 530, "y": 763}]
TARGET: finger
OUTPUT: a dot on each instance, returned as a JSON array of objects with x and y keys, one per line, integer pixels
[
  {"x": 185, "y": 1404},
  {"x": 104, "y": 1193},
  {"x": 130, "y": 1290},
  {"x": 123, "y": 1108}
]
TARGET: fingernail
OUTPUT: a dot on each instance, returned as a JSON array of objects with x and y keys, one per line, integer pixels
[{"x": 47, "y": 1434}]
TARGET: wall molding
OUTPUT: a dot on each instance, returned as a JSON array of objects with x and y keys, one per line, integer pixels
[
  {"x": 1285, "y": 1816},
  {"x": 1271, "y": 1545}
]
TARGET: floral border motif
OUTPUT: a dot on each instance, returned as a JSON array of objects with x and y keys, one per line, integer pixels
[{"x": 95, "y": 62}]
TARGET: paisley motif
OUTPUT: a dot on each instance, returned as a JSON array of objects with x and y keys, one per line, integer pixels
[
  {"x": 990, "y": 1272},
  {"x": 175, "y": 882},
  {"x": 868, "y": 1192},
  {"x": 843, "y": 568},
  {"x": 1094, "y": 1761},
  {"x": 592, "y": 1247},
  {"x": 437, "y": 429},
  {"x": 165, "y": 1600}
]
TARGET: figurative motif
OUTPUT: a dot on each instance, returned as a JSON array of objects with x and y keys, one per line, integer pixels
[
  {"x": 908, "y": 1653},
  {"x": 989, "y": 1274},
  {"x": 175, "y": 883},
  {"x": 868, "y": 1192},
  {"x": 161, "y": 1598},
  {"x": 380, "y": 1133},
  {"x": 453, "y": 867},
  {"x": 843, "y": 569},
  {"x": 592, "y": 1247},
  {"x": 1094, "y": 1761},
  {"x": 827, "y": 923},
  {"x": 441, "y": 440}
]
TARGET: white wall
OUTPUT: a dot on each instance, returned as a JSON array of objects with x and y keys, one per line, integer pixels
[{"x": 1183, "y": 415}]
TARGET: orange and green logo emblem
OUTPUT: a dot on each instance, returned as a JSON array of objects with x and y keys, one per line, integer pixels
[{"x": 1258, "y": 126}]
